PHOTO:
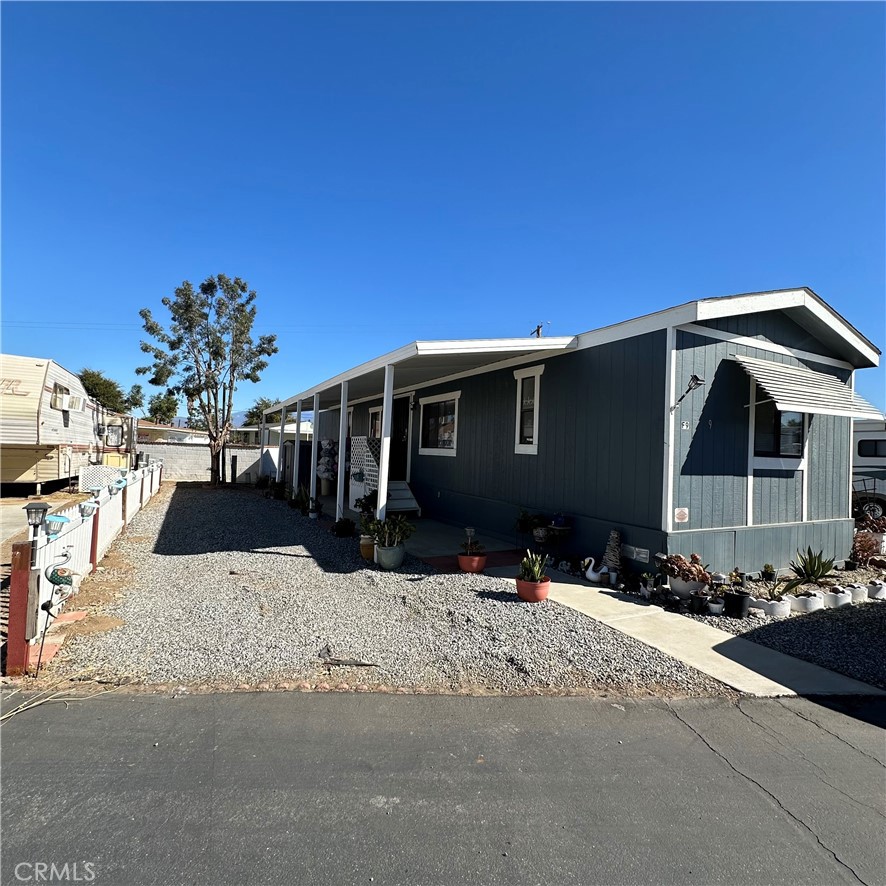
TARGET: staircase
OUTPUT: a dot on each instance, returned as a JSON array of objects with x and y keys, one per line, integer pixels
[{"x": 400, "y": 497}]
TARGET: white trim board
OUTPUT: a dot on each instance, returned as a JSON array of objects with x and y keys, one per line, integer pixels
[{"x": 762, "y": 345}]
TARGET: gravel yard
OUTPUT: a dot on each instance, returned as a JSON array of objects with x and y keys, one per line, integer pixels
[
  {"x": 850, "y": 640},
  {"x": 227, "y": 588}
]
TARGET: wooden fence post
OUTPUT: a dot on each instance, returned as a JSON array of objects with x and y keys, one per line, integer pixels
[
  {"x": 93, "y": 545},
  {"x": 141, "y": 491},
  {"x": 17, "y": 646},
  {"x": 125, "y": 491}
]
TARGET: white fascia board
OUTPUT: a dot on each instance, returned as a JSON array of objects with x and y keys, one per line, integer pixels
[
  {"x": 436, "y": 348},
  {"x": 493, "y": 345},
  {"x": 639, "y": 326},
  {"x": 715, "y": 308}
]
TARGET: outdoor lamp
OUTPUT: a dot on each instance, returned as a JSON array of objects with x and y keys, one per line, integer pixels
[
  {"x": 36, "y": 511},
  {"x": 87, "y": 509},
  {"x": 695, "y": 381},
  {"x": 113, "y": 489}
]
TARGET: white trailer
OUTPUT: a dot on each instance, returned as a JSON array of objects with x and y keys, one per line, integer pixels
[
  {"x": 869, "y": 467},
  {"x": 49, "y": 428}
]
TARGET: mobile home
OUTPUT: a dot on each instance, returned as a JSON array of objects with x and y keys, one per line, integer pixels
[
  {"x": 721, "y": 426},
  {"x": 49, "y": 428}
]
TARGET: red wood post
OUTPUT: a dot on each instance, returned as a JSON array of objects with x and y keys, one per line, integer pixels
[
  {"x": 160, "y": 480},
  {"x": 93, "y": 546},
  {"x": 141, "y": 491},
  {"x": 125, "y": 496},
  {"x": 17, "y": 647}
]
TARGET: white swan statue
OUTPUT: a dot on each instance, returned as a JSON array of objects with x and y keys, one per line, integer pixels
[{"x": 590, "y": 574}]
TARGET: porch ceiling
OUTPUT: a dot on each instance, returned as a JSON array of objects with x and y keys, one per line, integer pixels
[{"x": 422, "y": 363}]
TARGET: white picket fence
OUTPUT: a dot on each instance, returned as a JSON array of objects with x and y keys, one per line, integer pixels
[{"x": 72, "y": 547}]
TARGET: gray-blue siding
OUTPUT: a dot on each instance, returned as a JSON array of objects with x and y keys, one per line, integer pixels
[{"x": 711, "y": 456}]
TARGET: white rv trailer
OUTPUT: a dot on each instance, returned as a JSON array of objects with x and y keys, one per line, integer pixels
[
  {"x": 869, "y": 466},
  {"x": 49, "y": 428}
]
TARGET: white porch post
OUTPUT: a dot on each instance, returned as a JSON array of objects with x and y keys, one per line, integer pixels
[
  {"x": 314, "y": 446},
  {"x": 342, "y": 447},
  {"x": 280, "y": 447},
  {"x": 297, "y": 446},
  {"x": 261, "y": 443},
  {"x": 385, "y": 463}
]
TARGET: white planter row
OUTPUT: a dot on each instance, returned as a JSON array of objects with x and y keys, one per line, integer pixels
[{"x": 835, "y": 598}]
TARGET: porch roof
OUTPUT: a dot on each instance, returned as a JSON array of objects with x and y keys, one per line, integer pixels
[{"x": 424, "y": 362}]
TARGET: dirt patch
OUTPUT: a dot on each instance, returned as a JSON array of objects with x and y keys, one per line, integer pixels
[{"x": 94, "y": 624}]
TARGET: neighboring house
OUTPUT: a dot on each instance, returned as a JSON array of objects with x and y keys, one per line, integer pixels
[
  {"x": 248, "y": 435},
  {"x": 151, "y": 432},
  {"x": 49, "y": 428},
  {"x": 869, "y": 466},
  {"x": 721, "y": 426}
]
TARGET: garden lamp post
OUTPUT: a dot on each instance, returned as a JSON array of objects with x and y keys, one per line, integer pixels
[{"x": 36, "y": 512}]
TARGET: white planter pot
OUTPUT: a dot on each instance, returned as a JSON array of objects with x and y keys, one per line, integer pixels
[
  {"x": 390, "y": 558},
  {"x": 837, "y": 598},
  {"x": 877, "y": 590},
  {"x": 683, "y": 589},
  {"x": 881, "y": 538},
  {"x": 806, "y": 604},
  {"x": 757, "y": 603},
  {"x": 716, "y": 608}
]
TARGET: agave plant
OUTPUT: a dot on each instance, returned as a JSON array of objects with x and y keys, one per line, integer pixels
[
  {"x": 532, "y": 567},
  {"x": 810, "y": 568}
]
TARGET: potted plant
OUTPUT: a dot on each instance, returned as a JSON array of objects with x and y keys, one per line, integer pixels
[
  {"x": 366, "y": 505},
  {"x": 768, "y": 572},
  {"x": 539, "y": 528},
  {"x": 315, "y": 508},
  {"x": 532, "y": 583},
  {"x": 685, "y": 576},
  {"x": 877, "y": 527},
  {"x": 698, "y": 602},
  {"x": 864, "y": 546},
  {"x": 389, "y": 536},
  {"x": 737, "y": 577},
  {"x": 647, "y": 585},
  {"x": 473, "y": 559},
  {"x": 716, "y": 604},
  {"x": 812, "y": 568},
  {"x": 301, "y": 501}
]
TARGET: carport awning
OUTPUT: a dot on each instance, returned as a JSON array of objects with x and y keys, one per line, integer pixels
[{"x": 794, "y": 389}]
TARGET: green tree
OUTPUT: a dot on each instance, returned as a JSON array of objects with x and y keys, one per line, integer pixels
[
  {"x": 254, "y": 414},
  {"x": 206, "y": 351},
  {"x": 108, "y": 393},
  {"x": 162, "y": 408}
]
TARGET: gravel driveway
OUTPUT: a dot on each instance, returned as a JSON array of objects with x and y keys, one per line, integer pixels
[{"x": 230, "y": 588}]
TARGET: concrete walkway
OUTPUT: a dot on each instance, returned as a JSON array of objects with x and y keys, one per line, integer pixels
[{"x": 746, "y": 666}]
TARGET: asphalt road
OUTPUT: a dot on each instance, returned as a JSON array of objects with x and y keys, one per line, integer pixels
[{"x": 291, "y": 788}]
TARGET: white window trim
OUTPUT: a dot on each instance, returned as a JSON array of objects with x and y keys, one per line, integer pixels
[
  {"x": 519, "y": 375},
  {"x": 438, "y": 398},
  {"x": 369, "y": 429}
]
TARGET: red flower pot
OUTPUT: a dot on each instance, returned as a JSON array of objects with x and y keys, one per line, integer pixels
[
  {"x": 533, "y": 591},
  {"x": 472, "y": 562}
]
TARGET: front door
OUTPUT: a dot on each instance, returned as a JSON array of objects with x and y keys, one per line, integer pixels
[{"x": 399, "y": 439}]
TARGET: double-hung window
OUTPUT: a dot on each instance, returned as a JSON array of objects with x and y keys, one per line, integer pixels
[
  {"x": 526, "y": 431},
  {"x": 439, "y": 424}
]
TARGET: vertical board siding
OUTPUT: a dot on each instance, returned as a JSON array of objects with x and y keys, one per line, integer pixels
[
  {"x": 711, "y": 458},
  {"x": 600, "y": 438}
]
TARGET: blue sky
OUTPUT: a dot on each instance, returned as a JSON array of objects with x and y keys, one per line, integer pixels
[{"x": 381, "y": 173}]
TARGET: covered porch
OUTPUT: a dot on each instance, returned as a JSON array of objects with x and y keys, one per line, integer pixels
[{"x": 394, "y": 379}]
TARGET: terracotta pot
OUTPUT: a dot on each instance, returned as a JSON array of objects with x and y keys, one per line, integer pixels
[
  {"x": 533, "y": 591},
  {"x": 472, "y": 562},
  {"x": 367, "y": 547}
]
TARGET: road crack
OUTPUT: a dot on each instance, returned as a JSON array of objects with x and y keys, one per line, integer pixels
[{"x": 768, "y": 793}]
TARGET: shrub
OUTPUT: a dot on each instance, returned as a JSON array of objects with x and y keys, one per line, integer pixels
[
  {"x": 864, "y": 546},
  {"x": 809, "y": 569}
]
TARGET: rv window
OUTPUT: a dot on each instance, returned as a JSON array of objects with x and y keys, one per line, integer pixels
[
  {"x": 114, "y": 435},
  {"x": 872, "y": 448},
  {"x": 61, "y": 397}
]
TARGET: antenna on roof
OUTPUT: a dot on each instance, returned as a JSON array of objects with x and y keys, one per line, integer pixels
[{"x": 538, "y": 329}]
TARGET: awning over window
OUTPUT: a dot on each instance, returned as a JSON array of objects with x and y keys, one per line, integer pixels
[{"x": 804, "y": 390}]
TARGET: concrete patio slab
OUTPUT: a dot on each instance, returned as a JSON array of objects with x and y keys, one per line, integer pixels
[{"x": 746, "y": 666}]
